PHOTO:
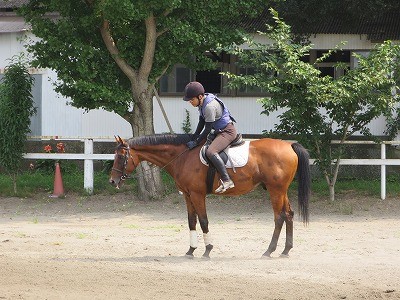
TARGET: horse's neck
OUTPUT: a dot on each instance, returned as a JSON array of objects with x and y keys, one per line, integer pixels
[{"x": 160, "y": 155}]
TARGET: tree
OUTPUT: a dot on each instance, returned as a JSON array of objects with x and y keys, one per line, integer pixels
[
  {"x": 319, "y": 109},
  {"x": 110, "y": 54},
  {"x": 16, "y": 108}
]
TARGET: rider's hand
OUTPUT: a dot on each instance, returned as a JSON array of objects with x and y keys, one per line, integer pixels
[{"x": 191, "y": 144}]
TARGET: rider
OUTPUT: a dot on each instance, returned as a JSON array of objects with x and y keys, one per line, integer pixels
[{"x": 213, "y": 115}]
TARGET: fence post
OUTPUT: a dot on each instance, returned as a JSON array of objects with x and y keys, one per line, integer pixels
[
  {"x": 88, "y": 169},
  {"x": 383, "y": 172}
]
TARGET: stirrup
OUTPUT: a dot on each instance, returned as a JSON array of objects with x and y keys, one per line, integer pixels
[{"x": 225, "y": 185}]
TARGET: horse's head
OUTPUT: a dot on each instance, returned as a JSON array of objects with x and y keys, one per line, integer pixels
[{"x": 124, "y": 163}]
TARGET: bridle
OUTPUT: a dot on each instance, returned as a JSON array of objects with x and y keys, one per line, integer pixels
[{"x": 127, "y": 156}]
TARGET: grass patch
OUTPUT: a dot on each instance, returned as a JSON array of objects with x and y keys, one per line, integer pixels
[
  {"x": 370, "y": 187},
  {"x": 32, "y": 183},
  {"x": 174, "y": 228},
  {"x": 132, "y": 226},
  {"x": 81, "y": 235}
]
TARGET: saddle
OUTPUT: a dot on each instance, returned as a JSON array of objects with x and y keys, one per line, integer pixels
[
  {"x": 238, "y": 141},
  {"x": 235, "y": 155}
]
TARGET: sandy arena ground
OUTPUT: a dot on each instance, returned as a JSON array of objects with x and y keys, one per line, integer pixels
[{"x": 118, "y": 247}]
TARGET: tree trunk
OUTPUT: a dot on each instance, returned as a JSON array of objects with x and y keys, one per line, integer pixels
[
  {"x": 141, "y": 120},
  {"x": 14, "y": 179},
  {"x": 332, "y": 192},
  {"x": 331, "y": 184}
]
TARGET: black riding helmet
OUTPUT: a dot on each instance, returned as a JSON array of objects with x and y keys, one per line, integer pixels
[{"x": 193, "y": 89}]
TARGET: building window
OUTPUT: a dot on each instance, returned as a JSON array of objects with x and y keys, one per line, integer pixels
[
  {"x": 329, "y": 67},
  {"x": 248, "y": 90},
  {"x": 212, "y": 80},
  {"x": 176, "y": 80}
]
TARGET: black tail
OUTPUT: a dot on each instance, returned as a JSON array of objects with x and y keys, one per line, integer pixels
[{"x": 304, "y": 178}]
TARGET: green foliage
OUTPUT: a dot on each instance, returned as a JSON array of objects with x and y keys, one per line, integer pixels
[
  {"x": 319, "y": 109},
  {"x": 47, "y": 166},
  {"x": 16, "y": 108},
  {"x": 186, "y": 125},
  {"x": 73, "y": 46}
]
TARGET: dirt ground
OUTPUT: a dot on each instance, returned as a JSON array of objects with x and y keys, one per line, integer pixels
[{"x": 118, "y": 247}]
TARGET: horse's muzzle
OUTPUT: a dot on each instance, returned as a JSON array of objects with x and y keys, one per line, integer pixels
[{"x": 115, "y": 182}]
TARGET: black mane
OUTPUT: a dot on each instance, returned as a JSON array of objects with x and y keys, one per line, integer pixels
[{"x": 159, "y": 139}]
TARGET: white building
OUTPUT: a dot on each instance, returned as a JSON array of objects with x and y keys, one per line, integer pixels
[{"x": 56, "y": 118}]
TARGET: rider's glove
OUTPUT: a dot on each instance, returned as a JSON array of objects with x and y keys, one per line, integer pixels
[{"x": 191, "y": 144}]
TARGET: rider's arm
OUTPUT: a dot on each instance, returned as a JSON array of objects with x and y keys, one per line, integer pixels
[
  {"x": 206, "y": 131},
  {"x": 200, "y": 125}
]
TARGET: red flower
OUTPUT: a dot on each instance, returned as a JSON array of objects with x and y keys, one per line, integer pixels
[
  {"x": 48, "y": 149},
  {"x": 60, "y": 147}
]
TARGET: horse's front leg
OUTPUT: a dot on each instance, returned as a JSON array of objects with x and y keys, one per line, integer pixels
[
  {"x": 192, "y": 221},
  {"x": 196, "y": 207},
  {"x": 203, "y": 219}
]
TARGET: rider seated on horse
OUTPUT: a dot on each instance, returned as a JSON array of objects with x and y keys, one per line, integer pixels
[{"x": 213, "y": 115}]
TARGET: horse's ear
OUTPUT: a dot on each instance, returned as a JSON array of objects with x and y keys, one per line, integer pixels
[
  {"x": 120, "y": 140},
  {"x": 116, "y": 139}
]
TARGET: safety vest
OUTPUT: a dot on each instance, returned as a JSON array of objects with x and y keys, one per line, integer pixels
[{"x": 226, "y": 117}]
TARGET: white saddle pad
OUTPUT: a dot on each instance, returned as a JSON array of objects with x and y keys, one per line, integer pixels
[{"x": 238, "y": 155}]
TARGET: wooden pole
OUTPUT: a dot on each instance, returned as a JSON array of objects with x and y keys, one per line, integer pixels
[{"x": 163, "y": 110}]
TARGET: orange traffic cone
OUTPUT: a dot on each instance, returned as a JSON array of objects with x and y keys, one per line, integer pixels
[{"x": 58, "y": 184}]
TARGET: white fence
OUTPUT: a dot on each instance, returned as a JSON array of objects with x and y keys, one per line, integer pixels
[{"x": 88, "y": 156}]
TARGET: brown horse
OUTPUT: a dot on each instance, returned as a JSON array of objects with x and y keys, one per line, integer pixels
[{"x": 272, "y": 163}]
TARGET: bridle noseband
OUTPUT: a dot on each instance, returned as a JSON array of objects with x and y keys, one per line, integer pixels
[{"x": 126, "y": 160}]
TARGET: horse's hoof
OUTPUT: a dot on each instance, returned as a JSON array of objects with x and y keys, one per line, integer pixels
[
  {"x": 189, "y": 256},
  {"x": 206, "y": 254},
  {"x": 265, "y": 256},
  {"x": 206, "y": 257},
  {"x": 284, "y": 255}
]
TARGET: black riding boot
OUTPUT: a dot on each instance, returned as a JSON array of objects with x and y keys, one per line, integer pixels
[{"x": 219, "y": 164}]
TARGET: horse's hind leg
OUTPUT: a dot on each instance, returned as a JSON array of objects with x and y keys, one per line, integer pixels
[
  {"x": 289, "y": 233},
  {"x": 279, "y": 219},
  {"x": 282, "y": 213}
]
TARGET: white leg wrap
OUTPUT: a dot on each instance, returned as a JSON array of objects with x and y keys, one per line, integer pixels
[
  {"x": 193, "y": 239},
  {"x": 207, "y": 239}
]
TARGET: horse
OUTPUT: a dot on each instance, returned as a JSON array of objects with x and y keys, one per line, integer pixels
[{"x": 273, "y": 163}]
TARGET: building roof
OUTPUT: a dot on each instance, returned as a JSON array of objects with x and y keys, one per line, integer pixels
[
  {"x": 12, "y": 24},
  {"x": 379, "y": 27},
  {"x": 9, "y": 5},
  {"x": 9, "y": 20}
]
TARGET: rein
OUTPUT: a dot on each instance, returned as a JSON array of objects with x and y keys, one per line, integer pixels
[{"x": 128, "y": 156}]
